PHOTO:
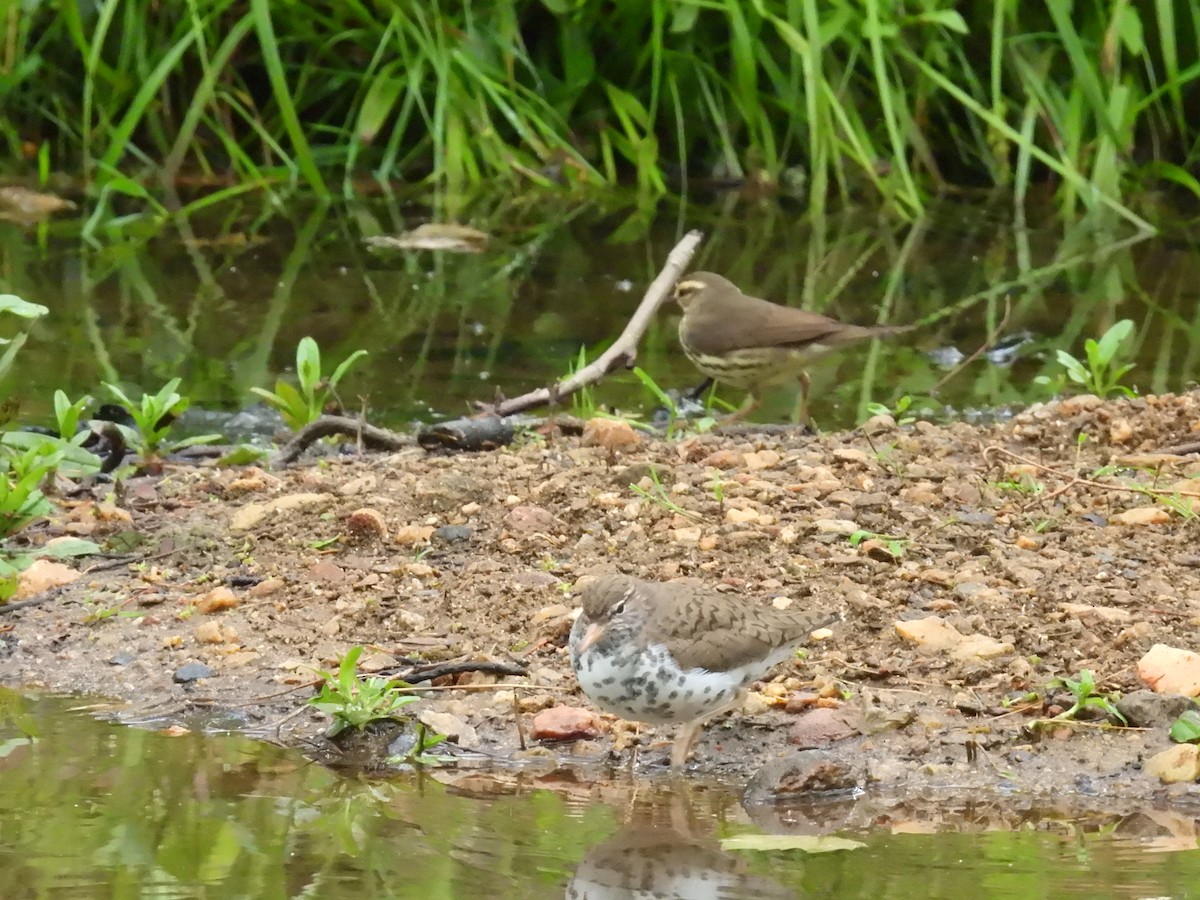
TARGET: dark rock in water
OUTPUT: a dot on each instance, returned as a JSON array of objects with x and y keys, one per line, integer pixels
[
  {"x": 802, "y": 774},
  {"x": 452, "y": 534},
  {"x": 190, "y": 672},
  {"x": 257, "y": 421}
]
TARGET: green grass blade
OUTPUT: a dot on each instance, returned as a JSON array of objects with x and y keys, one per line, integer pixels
[{"x": 261, "y": 11}]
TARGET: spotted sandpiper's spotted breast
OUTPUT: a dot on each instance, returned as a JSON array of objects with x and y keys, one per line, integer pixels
[{"x": 664, "y": 652}]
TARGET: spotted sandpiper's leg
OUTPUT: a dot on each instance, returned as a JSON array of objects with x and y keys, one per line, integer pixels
[
  {"x": 687, "y": 734},
  {"x": 684, "y": 738}
]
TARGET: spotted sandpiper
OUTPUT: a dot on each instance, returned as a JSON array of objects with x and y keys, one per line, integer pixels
[
  {"x": 663, "y": 652},
  {"x": 752, "y": 343}
]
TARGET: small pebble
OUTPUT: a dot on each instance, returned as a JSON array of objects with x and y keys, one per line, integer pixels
[
  {"x": 452, "y": 534},
  {"x": 190, "y": 672}
]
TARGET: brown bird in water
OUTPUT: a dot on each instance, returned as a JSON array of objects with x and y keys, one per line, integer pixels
[
  {"x": 752, "y": 343},
  {"x": 665, "y": 652}
]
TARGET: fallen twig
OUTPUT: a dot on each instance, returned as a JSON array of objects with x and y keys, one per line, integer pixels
[
  {"x": 622, "y": 351},
  {"x": 1073, "y": 479},
  {"x": 1181, "y": 449},
  {"x": 417, "y": 674},
  {"x": 369, "y": 435}
]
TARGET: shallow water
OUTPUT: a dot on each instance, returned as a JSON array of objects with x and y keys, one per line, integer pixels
[
  {"x": 94, "y": 809},
  {"x": 221, "y": 299}
]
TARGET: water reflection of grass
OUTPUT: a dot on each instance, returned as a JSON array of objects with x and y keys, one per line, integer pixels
[{"x": 222, "y": 297}]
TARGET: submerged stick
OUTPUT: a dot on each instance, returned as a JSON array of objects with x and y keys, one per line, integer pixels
[{"x": 622, "y": 351}]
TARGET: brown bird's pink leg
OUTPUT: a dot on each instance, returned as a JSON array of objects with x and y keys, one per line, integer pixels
[{"x": 804, "y": 384}]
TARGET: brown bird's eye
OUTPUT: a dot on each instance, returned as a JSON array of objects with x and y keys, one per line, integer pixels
[{"x": 685, "y": 290}]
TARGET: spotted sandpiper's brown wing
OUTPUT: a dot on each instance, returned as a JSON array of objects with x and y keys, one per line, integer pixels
[{"x": 703, "y": 629}]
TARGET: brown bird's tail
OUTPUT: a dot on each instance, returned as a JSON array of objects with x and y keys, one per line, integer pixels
[{"x": 850, "y": 334}]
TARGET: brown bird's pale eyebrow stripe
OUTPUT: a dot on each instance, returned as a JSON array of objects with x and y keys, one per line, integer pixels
[{"x": 690, "y": 286}]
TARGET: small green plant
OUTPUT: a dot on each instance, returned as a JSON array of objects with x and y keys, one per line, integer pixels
[
  {"x": 717, "y": 487},
  {"x": 657, "y": 494},
  {"x": 1186, "y": 729},
  {"x": 1021, "y": 700},
  {"x": 896, "y": 546},
  {"x": 27, "y": 462},
  {"x": 419, "y": 753},
  {"x": 153, "y": 416},
  {"x": 1024, "y": 484},
  {"x": 96, "y": 611},
  {"x": 301, "y": 406},
  {"x": 899, "y": 412},
  {"x": 353, "y": 701},
  {"x": 1083, "y": 689},
  {"x": 68, "y": 414},
  {"x": 583, "y": 401},
  {"x": 1101, "y": 371},
  {"x": 21, "y": 497}
]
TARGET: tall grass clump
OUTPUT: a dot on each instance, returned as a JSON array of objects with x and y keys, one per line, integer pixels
[{"x": 844, "y": 99}]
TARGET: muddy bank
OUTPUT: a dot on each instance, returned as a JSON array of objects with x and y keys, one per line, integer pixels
[{"x": 974, "y": 565}]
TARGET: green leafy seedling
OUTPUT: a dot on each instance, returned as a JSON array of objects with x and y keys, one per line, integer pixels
[
  {"x": 419, "y": 752},
  {"x": 896, "y": 546},
  {"x": 152, "y": 418},
  {"x": 21, "y": 499},
  {"x": 303, "y": 405},
  {"x": 657, "y": 494},
  {"x": 68, "y": 414},
  {"x": 897, "y": 412},
  {"x": 1083, "y": 689},
  {"x": 1101, "y": 371},
  {"x": 1186, "y": 729},
  {"x": 353, "y": 701}
]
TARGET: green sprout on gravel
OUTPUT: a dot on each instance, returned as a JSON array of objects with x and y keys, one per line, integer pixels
[
  {"x": 153, "y": 415},
  {"x": 1101, "y": 370},
  {"x": 300, "y": 407},
  {"x": 355, "y": 702},
  {"x": 1083, "y": 689},
  {"x": 1025, "y": 484},
  {"x": 1186, "y": 729},
  {"x": 657, "y": 494},
  {"x": 899, "y": 412},
  {"x": 896, "y": 546}
]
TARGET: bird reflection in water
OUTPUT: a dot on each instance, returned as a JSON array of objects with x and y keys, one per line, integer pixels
[{"x": 650, "y": 863}]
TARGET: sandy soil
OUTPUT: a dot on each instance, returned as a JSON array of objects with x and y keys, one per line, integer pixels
[{"x": 1012, "y": 535}]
